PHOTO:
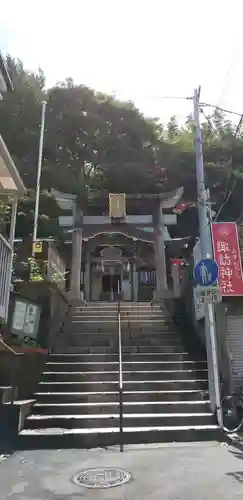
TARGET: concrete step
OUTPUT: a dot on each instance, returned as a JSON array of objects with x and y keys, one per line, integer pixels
[
  {"x": 129, "y": 334},
  {"x": 151, "y": 348},
  {"x": 128, "y": 396},
  {"x": 165, "y": 390},
  {"x": 112, "y": 329},
  {"x": 128, "y": 407},
  {"x": 127, "y": 331},
  {"x": 50, "y": 438},
  {"x": 123, "y": 305},
  {"x": 140, "y": 321},
  {"x": 123, "y": 309},
  {"x": 106, "y": 350},
  {"x": 127, "y": 375},
  {"x": 105, "y": 341},
  {"x": 131, "y": 385},
  {"x": 110, "y": 420},
  {"x": 6, "y": 394},
  {"x": 12, "y": 417},
  {"x": 130, "y": 357},
  {"x": 92, "y": 366},
  {"x": 103, "y": 314},
  {"x": 144, "y": 332}
]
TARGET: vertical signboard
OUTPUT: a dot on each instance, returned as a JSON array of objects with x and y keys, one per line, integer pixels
[
  {"x": 227, "y": 255},
  {"x": 26, "y": 318},
  {"x": 117, "y": 205}
]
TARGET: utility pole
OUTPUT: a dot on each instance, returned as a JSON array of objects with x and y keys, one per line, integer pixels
[
  {"x": 37, "y": 196},
  {"x": 206, "y": 252}
]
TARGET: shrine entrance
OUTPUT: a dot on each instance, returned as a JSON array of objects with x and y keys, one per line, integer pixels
[
  {"x": 108, "y": 279},
  {"x": 111, "y": 283}
]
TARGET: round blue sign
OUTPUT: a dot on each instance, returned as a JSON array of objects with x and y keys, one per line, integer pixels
[{"x": 206, "y": 272}]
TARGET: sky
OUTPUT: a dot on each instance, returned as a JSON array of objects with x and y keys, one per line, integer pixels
[{"x": 136, "y": 49}]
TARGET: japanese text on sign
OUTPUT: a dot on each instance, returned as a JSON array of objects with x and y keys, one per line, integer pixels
[
  {"x": 208, "y": 294},
  {"x": 227, "y": 256}
]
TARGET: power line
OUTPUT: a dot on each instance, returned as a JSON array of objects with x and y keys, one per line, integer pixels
[
  {"x": 227, "y": 193},
  {"x": 156, "y": 97},
  {"x": 183, "y": 98},
  {"x": 207, "y": 105},
  {"x": 188, "y": 98},
  {"x": 231, "y": 65},
  {"x": 209, "y": 122}
]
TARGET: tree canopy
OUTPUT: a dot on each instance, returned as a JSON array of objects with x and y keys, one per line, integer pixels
[{"x": 94, "y": 141}]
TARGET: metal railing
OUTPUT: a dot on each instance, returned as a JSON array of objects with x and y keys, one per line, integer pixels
[
  {"x": 120, "y": 370},
  {"x": 7, "y": 348},
  {"x": 6, "y": 254}
]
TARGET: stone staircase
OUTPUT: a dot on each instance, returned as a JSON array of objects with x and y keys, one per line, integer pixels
[{"x": 165, "y": 388}]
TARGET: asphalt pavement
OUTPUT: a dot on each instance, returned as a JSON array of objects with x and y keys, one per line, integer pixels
[{"x": 198, "y": 471}]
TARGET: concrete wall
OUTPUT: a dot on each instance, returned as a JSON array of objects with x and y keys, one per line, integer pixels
[
  {"x": 22, "y": 372},
  {"x": 59, "y": 318},
  {"x": 221, "y": 326},
  {"x": 188, "y": 302},
  {"x": 181, "y": 317},
  {"x": 223, "y": 348}
]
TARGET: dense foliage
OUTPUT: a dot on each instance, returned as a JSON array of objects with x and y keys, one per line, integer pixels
[{"x": 94, "y": 141}]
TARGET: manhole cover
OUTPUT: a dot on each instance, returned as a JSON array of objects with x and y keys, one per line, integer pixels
[{"x": 102, "y": 478}]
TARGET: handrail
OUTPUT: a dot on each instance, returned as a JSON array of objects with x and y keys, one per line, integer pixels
[
  {"x": 120, "y": 371},
  {"x": 7, "y": 347},
  {"x": 5, "y": 242}
]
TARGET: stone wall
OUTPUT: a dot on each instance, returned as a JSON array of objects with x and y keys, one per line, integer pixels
[
  {"x": 221, "y": 325},
  {"x": 22, "y": 372}
]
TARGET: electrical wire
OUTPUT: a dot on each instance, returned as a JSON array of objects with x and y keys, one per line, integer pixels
[
  {"x": 207, "y": 105},
  {"x": 156, "y": 97},
  {"x": 208, "y": 118},
  {"x": 225, "y": 202},
  {"x": 227, "y": 194},
  {"x": 233, "y": 59}
]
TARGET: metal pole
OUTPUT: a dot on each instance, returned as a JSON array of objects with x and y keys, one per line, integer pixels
[
  {"x": 13, "y": 221},
  {"x": 206, "y": 246},
  {"x": 37, "y": 197},
  {"x": 120, "y": 370},
  {"x": 11, "y": 242}
]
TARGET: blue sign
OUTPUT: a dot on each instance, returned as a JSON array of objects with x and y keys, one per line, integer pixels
[{"x": 206, "y": 272}]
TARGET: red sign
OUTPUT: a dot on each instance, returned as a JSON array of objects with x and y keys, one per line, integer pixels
[{"x": 227, "y": 255}]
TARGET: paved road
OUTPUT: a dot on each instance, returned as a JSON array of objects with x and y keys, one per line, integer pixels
[{"x": 204, "y": 471}]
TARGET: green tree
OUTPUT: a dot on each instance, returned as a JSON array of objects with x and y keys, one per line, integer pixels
[
  {"x": 94, "y": 141},
  {"x": 172, "y": 128}
]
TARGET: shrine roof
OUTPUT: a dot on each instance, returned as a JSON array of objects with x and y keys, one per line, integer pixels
[
  {"x": 137, "y": 201},
  {"x": 104, "y": 195}
]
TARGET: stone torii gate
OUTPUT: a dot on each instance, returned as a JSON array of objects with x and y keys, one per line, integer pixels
[{"x": 153, "y": 218}]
